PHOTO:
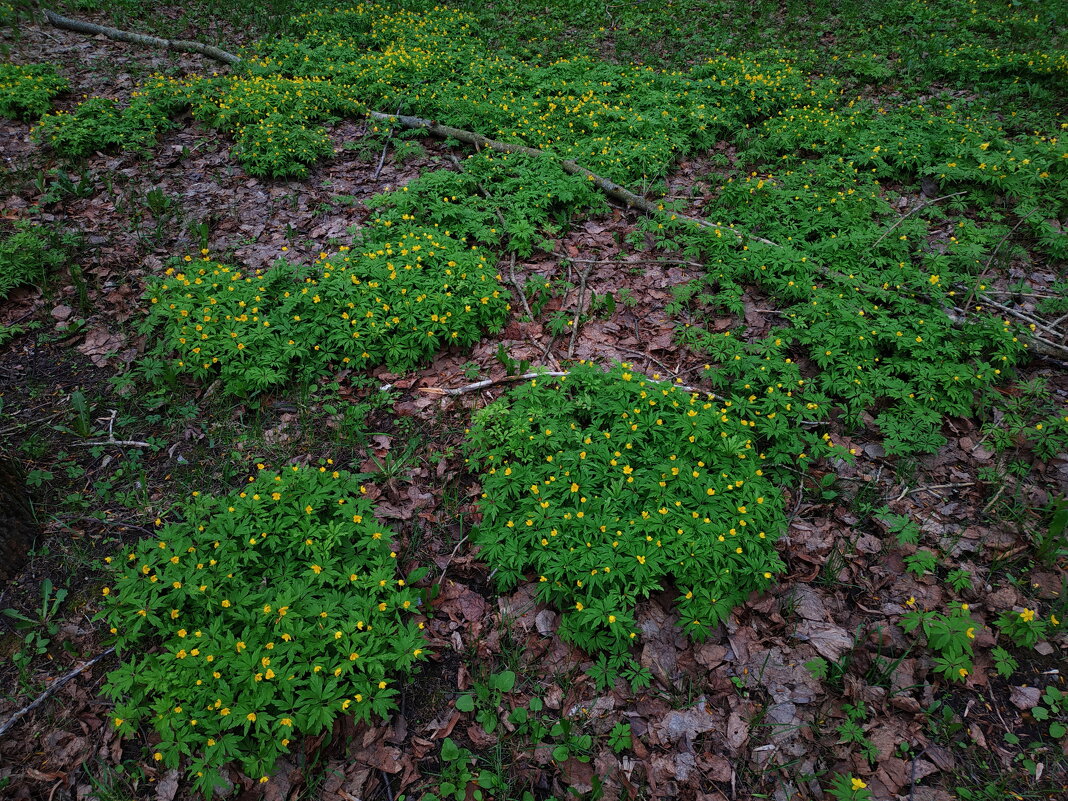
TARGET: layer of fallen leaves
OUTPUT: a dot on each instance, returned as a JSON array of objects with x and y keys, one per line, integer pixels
[{"x": 736, "y": 716}]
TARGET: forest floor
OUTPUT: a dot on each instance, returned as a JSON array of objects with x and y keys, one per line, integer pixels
[{"x": 812, "y": 679}]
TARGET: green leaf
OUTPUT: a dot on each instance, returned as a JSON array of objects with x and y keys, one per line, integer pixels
[
  {"x": 504, "y": 681},
  {"x": 465, "y": 703},
  {"x": 450, "y": 752}
]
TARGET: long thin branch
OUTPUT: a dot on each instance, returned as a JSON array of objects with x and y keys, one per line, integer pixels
[
  {"x": 52, "y": 689},
  {"x": 184, "y": 45},
  {"x": 585, "y": 275},
  {"x": 904, "y": 217},
  {"x": 121, "y": 443},
  {"x": 1040, "y": 343},
  {"x": 491, "y": 382},
  {"x": 609, "y": 187}
]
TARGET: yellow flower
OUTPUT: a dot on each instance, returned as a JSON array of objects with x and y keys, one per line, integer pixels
[
  {"x": 251, "y": 716},
  {"x": 1027, "y": 615},
  {"x": 857, "y": 783}
]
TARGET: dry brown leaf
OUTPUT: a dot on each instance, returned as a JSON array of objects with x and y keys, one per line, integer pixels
[
  {"x": 167, "y": 787},
  {"x": 99, "y": 344},
  {"x": 829, "y": 640},
  {"x": 737, "y": 731}
]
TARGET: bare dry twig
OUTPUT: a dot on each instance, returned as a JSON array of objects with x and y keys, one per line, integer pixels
[{"x": 53, "y": 688}]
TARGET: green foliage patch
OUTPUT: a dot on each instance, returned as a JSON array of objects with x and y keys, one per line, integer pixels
[
  {"x": 497, "y": 199},
  {"x": 262, "y": 614},
  {"x": 26, "y": 90},
  {"x": 608, "y": 486},
  {"x": 100, "y": 123},
  {"x": 393, "y": 301},
  {"x": 30, "y": 254}
]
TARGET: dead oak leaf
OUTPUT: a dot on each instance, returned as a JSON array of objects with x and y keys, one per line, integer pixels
[{"x": 99, "y": 344}]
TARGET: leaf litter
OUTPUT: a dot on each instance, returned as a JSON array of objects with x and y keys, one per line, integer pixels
[{"x": 722, "y": 718}]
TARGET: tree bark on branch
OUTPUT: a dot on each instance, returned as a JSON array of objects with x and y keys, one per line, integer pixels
[
  {"x": 18, "y": 527},
  {"x": 184, "y": 45}
]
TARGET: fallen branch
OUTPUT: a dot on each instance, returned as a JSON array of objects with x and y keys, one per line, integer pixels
[
  {"x": 120, "y": 443},
  {"x": 578, "y": 311},
  {"x": 491, "y": 382},
  {"x": 127, "y": 443},
  {"x": 52, "y": 689},
  {"x": 183, "y": 45},
  {"x": 610, "y": 188},
  {"x": 904, "y": 217},
  {"x": 1039, "y": 343},
  {"x": 957, "y": 485}
]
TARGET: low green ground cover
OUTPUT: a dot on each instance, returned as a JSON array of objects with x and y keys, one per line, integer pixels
[
  {"x": 601, "y": 486},
  {"x": 258, "y": 615}
]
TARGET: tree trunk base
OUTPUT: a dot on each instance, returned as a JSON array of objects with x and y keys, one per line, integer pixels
[{"x": 18, "y": 528}]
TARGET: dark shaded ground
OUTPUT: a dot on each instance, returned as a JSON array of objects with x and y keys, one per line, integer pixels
[{"x": 737, "y": 717}]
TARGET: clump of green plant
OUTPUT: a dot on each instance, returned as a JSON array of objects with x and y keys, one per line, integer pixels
[
  {"x": 851, "y": 731},
  {"x": 26, "y": 91},
  {"x": 262, "y": 614},
  {"x": 951, "y": 635},
  {"x": 275, "y": 147},
  {"x": 39, "y": 629},
  {"x": 459, "y": 776},
  {"x": 1031, "y": 417},
  {"x": 100, "y": 124},
  {"x": 31, "y": 254},
  {"x": 1025, "y": 628},
  {"x": 495, "y": 199},
  {"x": 396, "y": 298},
  {"x": 849, "y": 788},
  {"x": 607, "y": 486},
  {"x": 486, "y": 698},
  {"x": 565, "y": 739},
  {"x": 1054, "y": 708}
]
